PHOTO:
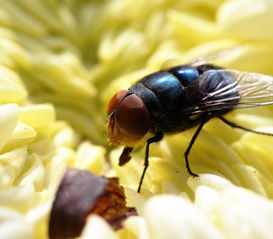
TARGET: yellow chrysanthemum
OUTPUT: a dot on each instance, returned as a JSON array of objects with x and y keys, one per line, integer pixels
[{"x": 60, "y": 63}]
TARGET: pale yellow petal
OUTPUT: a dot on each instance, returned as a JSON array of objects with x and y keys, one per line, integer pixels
[
  {"x": 90, "y": 157},
  {"x": 37, "y": 115},
  {"x": 8, "y": 119},
  {"x": 97, "y": 228},
  {"x": 250, "y": 19},
  {"x": 13, "y": 225},
  {"x": 179, "y": 218}
]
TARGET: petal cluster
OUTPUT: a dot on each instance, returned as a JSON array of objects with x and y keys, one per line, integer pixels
[{"x": 60, "y": 64}]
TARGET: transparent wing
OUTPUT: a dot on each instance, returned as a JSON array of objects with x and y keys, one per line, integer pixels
[{"x": 231, "y": 89}]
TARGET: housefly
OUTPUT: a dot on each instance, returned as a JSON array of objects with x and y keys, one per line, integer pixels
[{"x": 182, "y": 97}]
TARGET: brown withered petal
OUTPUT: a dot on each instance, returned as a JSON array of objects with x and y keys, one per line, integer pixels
[{"x": 82, "y": 193}]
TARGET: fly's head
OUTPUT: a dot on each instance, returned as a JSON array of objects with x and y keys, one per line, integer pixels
[{"x": 129, "y": 119}]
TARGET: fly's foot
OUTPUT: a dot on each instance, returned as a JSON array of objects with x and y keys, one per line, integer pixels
[{"x": 193, "y": 174}]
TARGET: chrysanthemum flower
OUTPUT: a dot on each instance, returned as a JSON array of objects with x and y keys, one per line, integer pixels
[{"x": 61, "y": 62}]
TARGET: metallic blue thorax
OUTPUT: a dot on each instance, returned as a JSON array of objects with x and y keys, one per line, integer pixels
[
  {"x": 166, "y": 87},
  {"x": 162, "y": 91}
]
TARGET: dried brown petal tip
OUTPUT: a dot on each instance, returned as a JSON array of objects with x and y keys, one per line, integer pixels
[{"x": 82, "y": 193}]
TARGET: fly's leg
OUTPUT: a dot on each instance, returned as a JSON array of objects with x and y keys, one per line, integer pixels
[
  {"x": 194, "y": 137},
  {"x": 233, "y": 125},
  {"x": 156, "y": 138}
]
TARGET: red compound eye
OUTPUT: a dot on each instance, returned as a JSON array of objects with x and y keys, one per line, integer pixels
[
  {"x": 132, "y": 116},
  {"x": 114, "y": 102},
  {"x": 130, "y": 121}
]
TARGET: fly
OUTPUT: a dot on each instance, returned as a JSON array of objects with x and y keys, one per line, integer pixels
[{"x": 182, "y": 97}]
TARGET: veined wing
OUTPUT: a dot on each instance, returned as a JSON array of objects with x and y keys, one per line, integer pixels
[{"x": 231, "y": 89}]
